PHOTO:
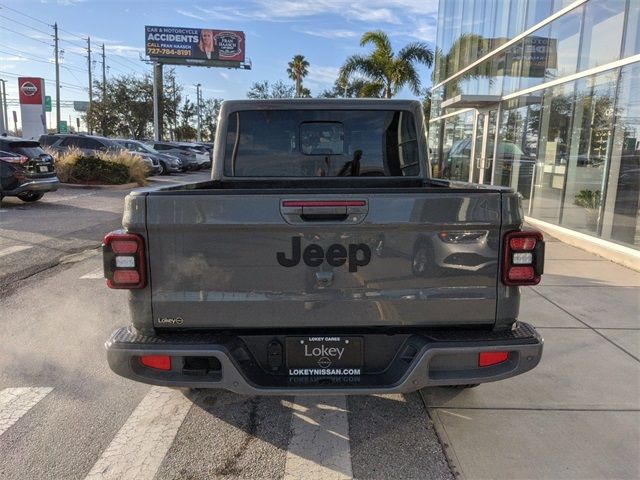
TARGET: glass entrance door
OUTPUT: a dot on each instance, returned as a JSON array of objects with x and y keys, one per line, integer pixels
[{"x": 483, "y": 145}]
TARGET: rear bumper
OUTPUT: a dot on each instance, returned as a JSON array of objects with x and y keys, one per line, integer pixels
[
  {"x": 438, "y": 358},
  {"x": 36, "y": 185}
]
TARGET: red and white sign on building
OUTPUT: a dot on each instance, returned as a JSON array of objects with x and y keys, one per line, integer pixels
[{"x": 32, "y": 107}]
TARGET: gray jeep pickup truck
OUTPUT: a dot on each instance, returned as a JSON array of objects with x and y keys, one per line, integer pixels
[{"x": 322, "y": 258}]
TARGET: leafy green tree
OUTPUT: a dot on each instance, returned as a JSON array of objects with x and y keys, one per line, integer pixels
[
  {"x": 298, "y": 69},
  {"x": 263, "y": 90},
  {"x": 186, "y": 114},
  {"x": 389, "y": 72},
  {"x": 171, "y": 101},
  {"x": 353, "y": 88},
  {"x": 209, "y": 111}
]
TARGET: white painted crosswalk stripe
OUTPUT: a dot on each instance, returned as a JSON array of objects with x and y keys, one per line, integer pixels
[
  {"x": 14, "y": 249},
  {"x": 319, "y": 444},
  {"x": 94, "y": 274},
  {"x": 139, "y": 447},
  {"x": 15, "y": 402}
]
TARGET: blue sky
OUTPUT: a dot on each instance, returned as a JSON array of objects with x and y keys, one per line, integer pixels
[{"x": 324, "y": 31}]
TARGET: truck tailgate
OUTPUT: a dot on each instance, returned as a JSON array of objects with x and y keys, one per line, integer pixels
[{"x": 253, "y": 260}]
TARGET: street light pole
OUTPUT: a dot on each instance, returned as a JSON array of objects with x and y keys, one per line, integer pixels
[
  {"x": 55, "y": 31},
  {"x": 90, "y": 83},
  {"x": 198, "y": 85}
]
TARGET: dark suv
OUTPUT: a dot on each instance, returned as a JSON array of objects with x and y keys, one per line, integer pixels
[
  {"x": 88, "y": 144},
  {"x": 26, "y": 170}
]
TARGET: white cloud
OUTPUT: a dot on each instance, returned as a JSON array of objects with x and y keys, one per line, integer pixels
[
  {"x": 321, "y": 76},
  {"x": 12, "y": 58},
  {"x": 393, "y": 12},
  {"x": 328, "y": 33}
]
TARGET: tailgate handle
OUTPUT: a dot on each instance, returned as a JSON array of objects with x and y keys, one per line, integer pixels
[{"x": 301, "y": 211}]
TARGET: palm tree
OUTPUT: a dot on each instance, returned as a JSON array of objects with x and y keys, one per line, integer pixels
[
  {"x": 298, "y": 69},
  {"x": 384, "y": 69}
]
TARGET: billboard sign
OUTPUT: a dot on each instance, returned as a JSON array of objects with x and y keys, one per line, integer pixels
[
  {"x": 32, "y": 107},
  {"x": 195, "y": 46}
]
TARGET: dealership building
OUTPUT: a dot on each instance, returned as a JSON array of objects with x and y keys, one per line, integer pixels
[{"x": 544, "y": 96}]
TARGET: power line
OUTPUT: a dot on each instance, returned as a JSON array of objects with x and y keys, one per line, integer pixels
[
  {"x": 13, "y": 20},
  {"x": 64, "y": 84},
  {"x": 26, "y": 58},
  {"x": 27, "y": 36},
  {"x": 24, "y": 14},
  {"x": 126, "y": 66},
  {"x": 13, "y": 49},
  {"x": 72, "y": 74},
  {"x": 72, "y": 42}
]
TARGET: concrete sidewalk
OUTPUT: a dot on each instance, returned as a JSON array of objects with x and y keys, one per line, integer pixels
[{"x": 576, "y": 415}]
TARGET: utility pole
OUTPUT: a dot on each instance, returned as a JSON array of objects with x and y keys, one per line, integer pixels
[
  {"x": 3, "y": 117},
  {"x": 55, "y": 31},
  {"x": 104, "y": 75},
  {"x": 4, "y": 101},
  {"x": 104, "y": 84},
  {"x": 198, "y": 110},
  {"x": 157, "y": 101},
  {"x": 175, "y": 107},
  {"x": 90, "y": 81}
]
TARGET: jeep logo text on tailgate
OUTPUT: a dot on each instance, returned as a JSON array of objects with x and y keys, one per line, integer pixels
[{"x": 358, "y": 255}]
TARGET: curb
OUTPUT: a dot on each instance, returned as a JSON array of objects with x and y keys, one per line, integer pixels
[
  {"x": 616, "y": 253},
  {"x": 126, "y": 186}
]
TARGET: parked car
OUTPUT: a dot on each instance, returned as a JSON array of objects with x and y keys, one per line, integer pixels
[
  {"x": 203, "y": 155},
  {"x": 208, "y": 147},
  {"x": 187, "y": 155},
  {"x": 166, "y": 163},
  {"x": 92, "y": 144},
  {"x": 26, "y": 170}
]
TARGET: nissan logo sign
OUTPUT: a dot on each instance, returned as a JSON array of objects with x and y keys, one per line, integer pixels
[{"x": 29, "y": 89}]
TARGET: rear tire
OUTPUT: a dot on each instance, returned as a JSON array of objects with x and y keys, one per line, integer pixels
[{"x": 30, "y": 196}]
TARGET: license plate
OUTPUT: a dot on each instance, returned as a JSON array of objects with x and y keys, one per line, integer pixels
[
  {"x": 324, "y": 355},
  {"x": 44, "y": 169}
]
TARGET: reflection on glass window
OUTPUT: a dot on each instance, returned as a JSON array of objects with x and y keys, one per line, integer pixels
[
  {"x": 623, "y": 196},
  {"x": 515, "y": 157},
  {"x": 537, "y": 10},
  {"x": 553, "y": 152},
  {"x": 602, "y": 32},
  {"x": 589, "y": 151},
  {"x": 632, "y": 31},
  {"x": 563, "y": 56},
  {"x": 456, "y": 149},
  {"x": 327, "y": 143}
]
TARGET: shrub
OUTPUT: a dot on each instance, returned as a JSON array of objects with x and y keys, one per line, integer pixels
[
  {"x": 121, "y": 167},
  {"x": 95, "y": 170},
  {"x": 587, "y": 199},
  {"x": 138, "y": 170}
]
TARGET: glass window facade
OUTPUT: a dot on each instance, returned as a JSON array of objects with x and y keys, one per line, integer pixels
[{"x": 572, "y": 148}]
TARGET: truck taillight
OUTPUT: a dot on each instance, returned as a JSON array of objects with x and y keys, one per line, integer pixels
[
  {"x": 124, "y": 260},
  {"x": 523, "y": 261}
]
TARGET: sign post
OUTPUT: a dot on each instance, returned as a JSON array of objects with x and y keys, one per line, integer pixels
[{"x": 32, "y": 107}]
